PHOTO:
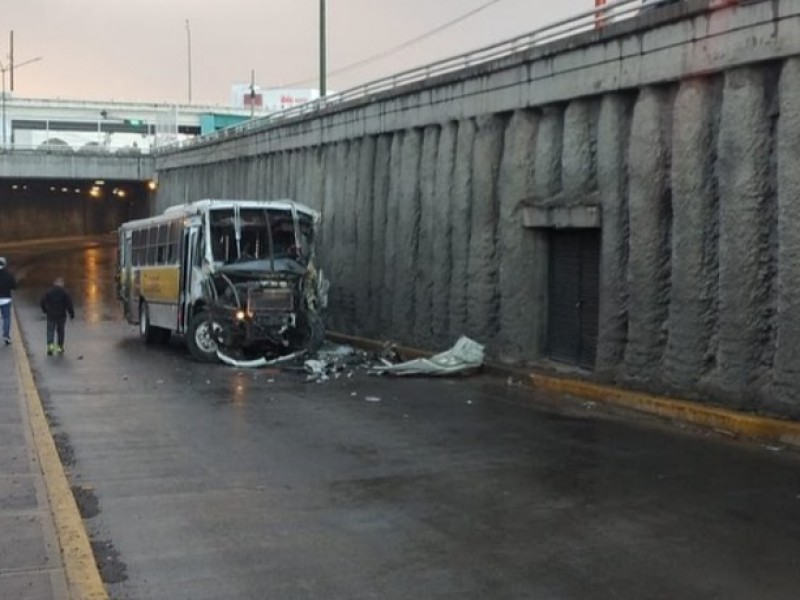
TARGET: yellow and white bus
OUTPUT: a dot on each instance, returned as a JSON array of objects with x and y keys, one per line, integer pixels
[{"x": 235, "y": 277}]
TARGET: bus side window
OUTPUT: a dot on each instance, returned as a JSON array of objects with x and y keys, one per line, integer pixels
[
  {"x": 174, "y": 240},
  {"x": 152, "y": 245},
  {"x": 163, "y": 241},
  {"x": 137, "y": 243}
]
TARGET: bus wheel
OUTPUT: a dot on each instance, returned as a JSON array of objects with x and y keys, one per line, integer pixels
[
  {"x": 146, "y": 331},
  {"x": 199, "y": 338},
  {"x": 309, "y": 334}
]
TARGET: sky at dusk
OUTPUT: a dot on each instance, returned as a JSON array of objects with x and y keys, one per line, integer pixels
[{"x": 136, "y": 50}]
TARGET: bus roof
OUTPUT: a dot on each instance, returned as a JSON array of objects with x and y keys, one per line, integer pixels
[{"x": 200, "y": 206}]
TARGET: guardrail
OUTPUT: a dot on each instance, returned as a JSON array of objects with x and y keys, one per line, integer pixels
[
  {"x": 597, "y": 18},
  {"x": 65, "y": 149}
]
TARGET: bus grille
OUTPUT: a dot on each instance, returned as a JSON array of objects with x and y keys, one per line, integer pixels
[{"x": 267, "y": 300}]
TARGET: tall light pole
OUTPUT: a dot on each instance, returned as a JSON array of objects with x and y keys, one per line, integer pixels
[
  {"x": 323, "y": 50},
  {"x": 10, "y": 67},
  {"x": 189, "y": 56}
]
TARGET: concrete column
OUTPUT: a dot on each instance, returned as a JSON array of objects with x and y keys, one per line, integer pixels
[
  {"x": 318, "y": 178},
  {"x": 407, "y": 239},
  {"x": 294, "y": 173},
  {"x": 390, "y": 281},
  {"x": 364, "y": 248},
  {"x": 347, "y": 208},
  {"x": 285, "y": 171},
  {"x": 423, "y": 302},
  {"x": 262, "y": 175},
  {"x": 483, "y": 295},
  {"x": 380, "y": 195},
  {"x": 743, "y": 170},
  {"x": 548, "y": 153},
  {"x": 613, "y": 131},
  {"x": 578, "y": 156},
  {"x": 339, "y": 227},
  {"x": 695, "y": 236},
  {"x": 461, "y": 223},
  {"x": 650, "y": 221},
  {"x": 787, "y": 352},
  {"x": 270, "y": 187},
  {"x": 327, "y": 236},
  {"x": 251, "y": 185},
  {"x": 442, "y": 261},
  {"x": 520, "y": 255}
]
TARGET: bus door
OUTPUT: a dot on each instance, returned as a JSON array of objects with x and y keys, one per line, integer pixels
[
  {"x": 125, "y": 290},
  {"x": 189, "y": 258}
]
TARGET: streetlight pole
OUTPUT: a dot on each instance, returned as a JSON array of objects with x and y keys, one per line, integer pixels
[
  {"x": 323, "y": 50},
  {"x": 3, "y": 69},
  {"x": 189, "y": 56}
]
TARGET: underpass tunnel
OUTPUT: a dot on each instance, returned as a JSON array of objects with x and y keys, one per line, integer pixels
[{"x": 44, "y": 208}]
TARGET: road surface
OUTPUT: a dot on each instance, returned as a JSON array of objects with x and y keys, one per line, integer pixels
[{"x": 206, "y": 481}]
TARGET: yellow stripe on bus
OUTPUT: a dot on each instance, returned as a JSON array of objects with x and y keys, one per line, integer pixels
[{"x": 160, "y": 284}]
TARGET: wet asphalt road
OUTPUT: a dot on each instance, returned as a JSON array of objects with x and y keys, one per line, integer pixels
[{"x": 213, "y": 482}]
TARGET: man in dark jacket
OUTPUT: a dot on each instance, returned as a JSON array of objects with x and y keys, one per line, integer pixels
[
  {"x": 7, "y": 284},
  {"x": 56, "y": 304}
]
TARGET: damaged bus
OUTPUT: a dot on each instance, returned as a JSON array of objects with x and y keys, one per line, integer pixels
[{"x": 237, "y": 278}]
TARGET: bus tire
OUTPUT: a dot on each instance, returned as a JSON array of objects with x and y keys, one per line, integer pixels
[
  {"x": 146, "y": 331},
  {"x": 309, "y": 333},
  {"x": 201, "y": 344}
]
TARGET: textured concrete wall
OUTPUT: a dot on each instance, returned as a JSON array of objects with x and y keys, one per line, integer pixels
[
  {"x": 787, "y": 351},
  {"x": 745, "y": 218},
  {"x": 696, "y": 179},
  {"x": 650, "y": 214},
  {"x": 695, "y": 237}
]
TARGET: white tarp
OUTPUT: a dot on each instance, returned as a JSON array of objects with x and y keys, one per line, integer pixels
[{"x": 466, "y": 355}]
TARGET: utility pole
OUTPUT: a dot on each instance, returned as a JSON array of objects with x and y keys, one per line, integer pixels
[
  {"x": 252, "y": 92},
  {"x": 323, "y": 50},
  {"x": 598, "y": 15},
  {"x": 10, "y": 68},
  {"x": 11, "y": 57},
  {"x": 189, "y": 56}
]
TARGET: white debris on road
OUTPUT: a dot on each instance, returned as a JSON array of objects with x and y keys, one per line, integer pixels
[{"x": 465, "y": 356}]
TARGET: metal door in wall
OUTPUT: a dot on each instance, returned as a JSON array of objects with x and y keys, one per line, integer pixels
[{"x": 574, "y": 296}]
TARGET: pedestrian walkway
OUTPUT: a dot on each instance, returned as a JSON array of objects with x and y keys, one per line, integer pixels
[{"x": 30, "y": 559}]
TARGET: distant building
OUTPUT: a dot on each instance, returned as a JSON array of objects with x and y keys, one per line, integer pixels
[{"x": 269, "y": 100}]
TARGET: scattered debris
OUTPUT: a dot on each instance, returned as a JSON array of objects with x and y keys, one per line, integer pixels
[
  {"x": 465, "y": 356},
  {"x": 259, "y": 362}
]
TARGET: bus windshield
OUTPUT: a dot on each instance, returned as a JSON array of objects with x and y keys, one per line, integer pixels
[{"x": 254, "y": 234}]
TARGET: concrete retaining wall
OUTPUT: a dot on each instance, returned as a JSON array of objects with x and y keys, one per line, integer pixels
[{"x": 686, "y": 134}]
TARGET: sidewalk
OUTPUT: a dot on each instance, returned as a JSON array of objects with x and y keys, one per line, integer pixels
[{"x": 30, "y": 562}]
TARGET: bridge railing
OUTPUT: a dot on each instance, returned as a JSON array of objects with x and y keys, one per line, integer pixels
[
  {"x": 68, "y": 150},
  {"x": 597, "y": 18}
]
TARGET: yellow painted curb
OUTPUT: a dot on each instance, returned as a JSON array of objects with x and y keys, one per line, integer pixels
[
  {"x": 710, "y": 417},
  {"x": 83, "y": 578},
  {"x": 737, "y": 423}
]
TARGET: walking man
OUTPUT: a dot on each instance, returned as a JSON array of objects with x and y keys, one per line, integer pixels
[
  {"x": 7, "y": 284},
  {"x": 56, "y": 304}
]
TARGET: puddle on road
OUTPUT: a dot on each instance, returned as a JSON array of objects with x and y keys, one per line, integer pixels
[
  {"x": 112, "y": 569},
  {"x": 65, "y": 451},
  {"x": 85, "y": 498}
]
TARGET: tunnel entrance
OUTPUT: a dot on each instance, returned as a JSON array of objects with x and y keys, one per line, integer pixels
[
  {"x": 574, "y": 296},
  {"x": 34, "y": 209}
]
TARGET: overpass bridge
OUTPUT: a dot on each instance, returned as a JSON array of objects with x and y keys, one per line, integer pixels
[
  {"x": 617, "y": 194},
  {"x": 87, "y": 165}
]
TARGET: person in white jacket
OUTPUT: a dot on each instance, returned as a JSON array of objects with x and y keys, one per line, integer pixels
[{"x": 7, "y": 284}]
